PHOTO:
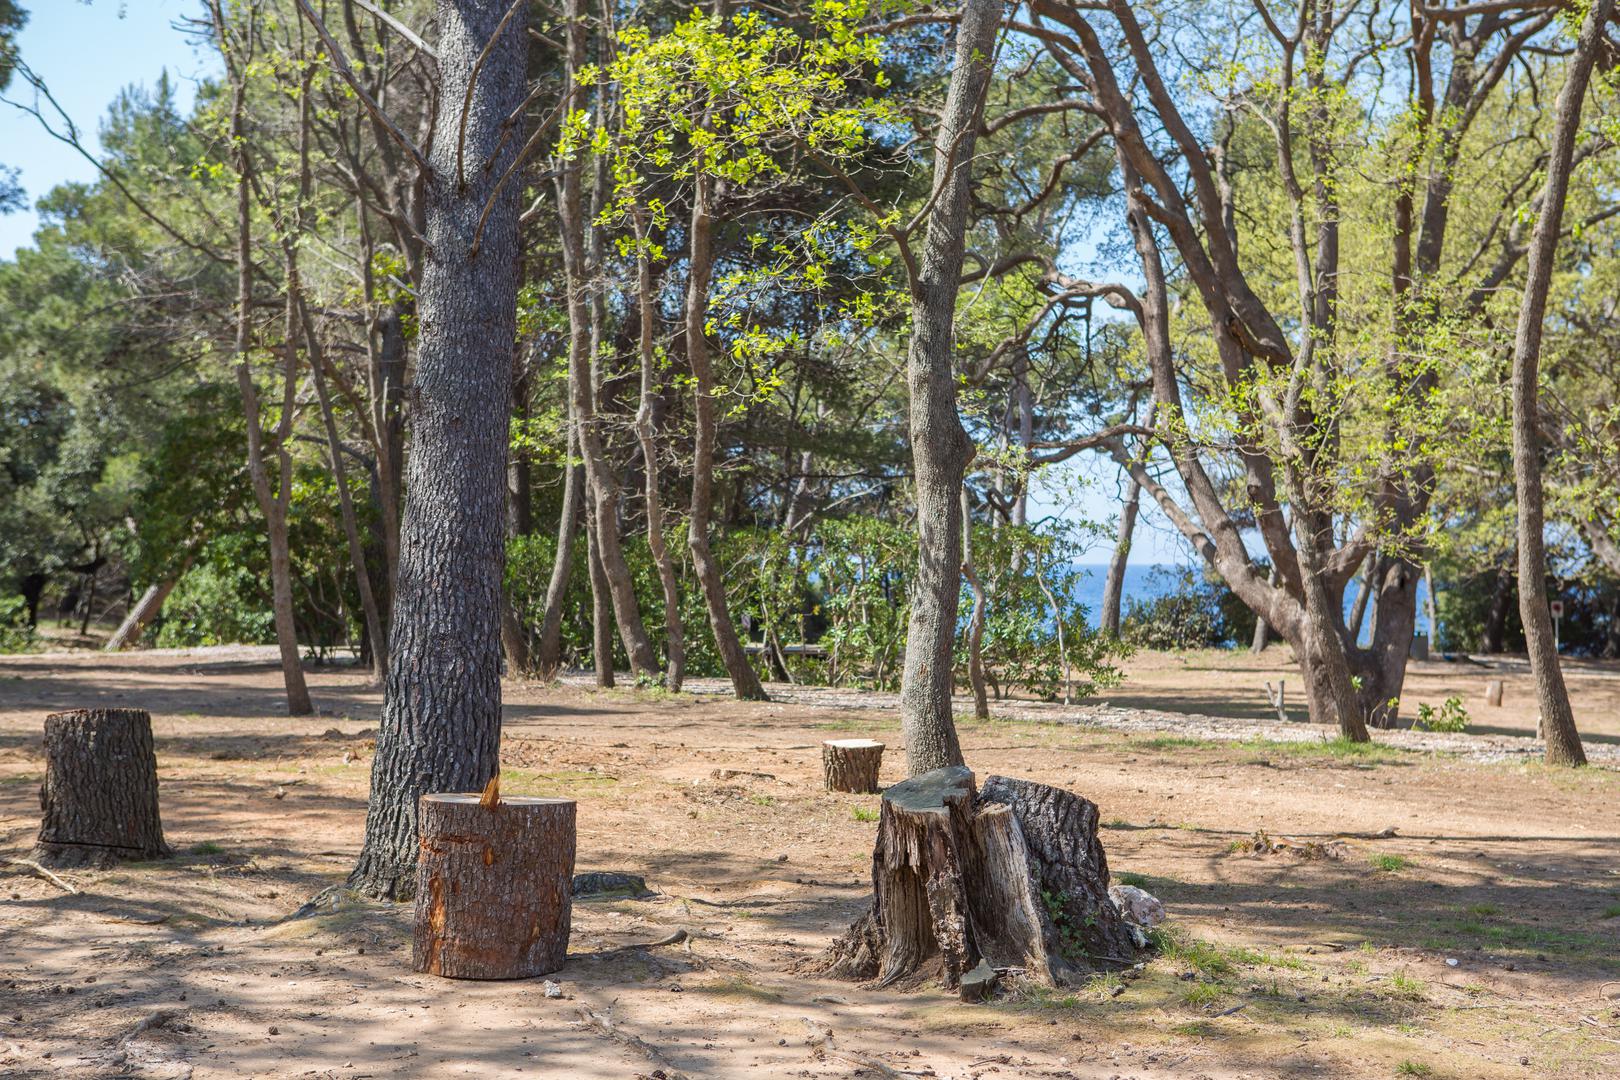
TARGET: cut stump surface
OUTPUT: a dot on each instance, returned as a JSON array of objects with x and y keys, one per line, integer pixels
[{"x": 494, "y": 887}]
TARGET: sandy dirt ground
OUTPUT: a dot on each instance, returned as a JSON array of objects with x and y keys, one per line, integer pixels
[{"x": 1460, "y": 919}]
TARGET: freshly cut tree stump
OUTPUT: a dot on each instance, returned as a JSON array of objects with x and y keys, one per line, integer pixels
[
  {"x": 1012, "y": 875},
  {"x": 852, "y": 765},
  {"x": 493, "y": 886},
  {"x": 100, "y": 795}
]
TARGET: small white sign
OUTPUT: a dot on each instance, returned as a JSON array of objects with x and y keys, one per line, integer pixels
[{"x": 1557, "y": 607}]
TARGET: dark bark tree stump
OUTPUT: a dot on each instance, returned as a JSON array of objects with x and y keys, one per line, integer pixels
[
  {"x": 100, "y": 795},
  {"x": 851, "y": 765},
  {"x": 1012, "y": 876},
  {"x": 494, "y": 887}
]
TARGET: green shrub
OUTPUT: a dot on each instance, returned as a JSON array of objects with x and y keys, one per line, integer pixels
[
  {"x": 15, "y": 633},
  {"x": 1448, "y": 717}
]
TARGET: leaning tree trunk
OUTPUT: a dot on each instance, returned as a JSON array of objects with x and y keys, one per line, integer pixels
[
  {"x": 441, "y": 721},
  {"x": 145, "y": 610},
  {"x": 744, "y": 680},
  {"x": 940, "y": 448},
  {"x": 1114, "y": 585},
  {"x": 100, "y": 795},
  {"x": 494, "y": 889},
  {"x": 1557, "y": 717},
  {"x": 1012, "y": 876}
]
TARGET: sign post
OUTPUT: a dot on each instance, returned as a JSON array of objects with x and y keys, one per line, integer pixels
[{"x": 1557, "y": 609}]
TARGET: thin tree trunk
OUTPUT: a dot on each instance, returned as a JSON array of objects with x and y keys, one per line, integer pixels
[
  {"x": 1114, "y": 585},
  {"x": 1358, "y": 610},
  {"x": 548, "y": 657},
  {"x": 273, "y": 504},
  {"x": 1557, "y": 717},
  {"x": 744, "y": 680},
  {"x": 981, "y": 702},
  {"x": 441, "y": 722},
  {"x": 145, "y": 610},
  {"x": 604, "y": 502},
  {"x": 674, "y": 641},
  {"x": 514, "y": 634},
  {"x": 1502, "y": 588},
  {"x": 601, "y": 606},
  {"x": 940, "y": 448}
]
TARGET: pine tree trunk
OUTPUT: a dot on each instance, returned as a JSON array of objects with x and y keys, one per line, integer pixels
[
  {"x": 940, "y": 448},
  {"x": 1557, "y": 716},
  {"x": 441, "y": 719},
  {"x": 975, "y": 635},
  {"x": 601, "y": 608},
  {"x": 494, "y": 889},
  {"x": 100, "y": 795},
  {"x": 1012, "y": 875}
]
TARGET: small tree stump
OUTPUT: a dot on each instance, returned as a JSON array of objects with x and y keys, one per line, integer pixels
[
  {"x": 100, "y": 795},
  {"x": 851, "y": 765},
  {"x": 493, "y": 887},
  {"x": 1012, "y": 875},
  {"x": 1493, "y": 693}
]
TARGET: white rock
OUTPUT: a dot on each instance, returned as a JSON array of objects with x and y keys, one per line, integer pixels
[
  {"x": 551, "y": 989},
  {"x": 1138, "y": 907}
]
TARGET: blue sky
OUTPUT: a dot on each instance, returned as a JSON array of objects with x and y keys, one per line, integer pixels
[{"x": 87, "y": 53}]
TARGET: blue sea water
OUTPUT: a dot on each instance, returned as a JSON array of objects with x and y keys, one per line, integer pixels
[{"x": 1149, "y": 580}]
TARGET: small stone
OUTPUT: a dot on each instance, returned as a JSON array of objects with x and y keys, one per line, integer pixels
[
  {"x": 1525, "y": 1060},
  {"x": 275, "y": 1030},
  {"x": 551, "y": 989},
  {"x": 1451, "y": 961}
]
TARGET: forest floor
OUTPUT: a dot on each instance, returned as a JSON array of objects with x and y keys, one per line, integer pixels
[{"x": 1446, "y": 912}]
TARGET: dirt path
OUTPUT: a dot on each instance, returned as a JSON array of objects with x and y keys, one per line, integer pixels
[{"x": 1287, "y": 966}]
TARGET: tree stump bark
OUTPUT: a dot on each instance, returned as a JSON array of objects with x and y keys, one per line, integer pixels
[
  {"x": 851, "y": 765},
  {"x": 100, "y": 795},
  {"x": 494, "y": 887},
  {"x": 1493, "y": 693},
  {"x": 1012, "y": 875}
]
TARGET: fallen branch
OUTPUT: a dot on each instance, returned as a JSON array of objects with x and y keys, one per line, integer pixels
[
  {"x": 603, "y": 1022},
  {"x": 39, "y": 871}
]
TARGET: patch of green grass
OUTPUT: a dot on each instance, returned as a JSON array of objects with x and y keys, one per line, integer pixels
[
  {"x": 1414, "y": 1068},
  {"x": 1389, "y": 864},
  {"x": 1035, "y": 996},
  {"x": 207, "y": 847},
  {"x": 1138, "y": 881},
  {"x": 762, "y": 800},
  {"x": 570, "y": 783},
  {"x": 866, "y": 813},
  {"x": 737, "y": 988},
  {"x": 1335, "y": 749},
  {"x": 1612, "y": 911},
  {"x": 1408, "y": 986},
  {"x": 1202, "y": 993},
  {"x": 1483, "y": 911},
  {"x": 1197, "y": 1029},
  {"x": 1173, "y": 742}
]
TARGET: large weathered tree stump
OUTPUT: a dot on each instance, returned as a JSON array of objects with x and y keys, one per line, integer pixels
[
  {"x": 1012, "y": 875},
  {"x": 100, "y": 795},
  {"x": 851, "y": 765},
  {"x": 493, "y": 886}
]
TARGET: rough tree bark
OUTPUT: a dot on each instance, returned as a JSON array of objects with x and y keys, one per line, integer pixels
[
  {"x": 1012, "y": 875},
  {"x": 494, "y": 888},
  {"x": 145, "y": 610},
  {"x": 851, "y": 765},
  {"x": 940, "y": 448},
  {"x": 646, "y": 434},
  {"x": 1557, "y": 717},
  {"x": 441, "y": 721},
  {"x": 100, "y": 795}
]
